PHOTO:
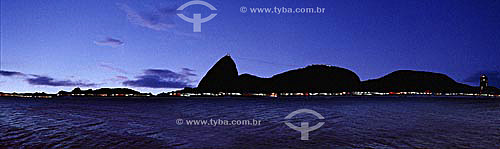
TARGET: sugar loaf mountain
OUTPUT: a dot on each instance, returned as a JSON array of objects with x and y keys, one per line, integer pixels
[{"x": 224, "y": 77}]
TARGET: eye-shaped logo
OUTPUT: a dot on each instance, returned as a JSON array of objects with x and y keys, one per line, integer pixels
[
  {"x": 196, "y": 20},
  {"x": 304, "y": 126}
]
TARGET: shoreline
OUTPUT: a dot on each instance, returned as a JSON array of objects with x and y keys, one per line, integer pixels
[{"x": 250, "y": 97}]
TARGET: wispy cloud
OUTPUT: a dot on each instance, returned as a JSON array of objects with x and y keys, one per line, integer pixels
[
  {"x": 161, "y": 78},
  {"x": 493, "y": 77},
  {"x": 48, "y": 81},
  {"x": 187, "y": 72},
  {"x": 121, "y": 77},
  {"x": 109, "y": 42},
  {"x": 116, "y": 79},
  {"x": 45, "y": 80},
  {"x": 158, "y": 19},
  {"x": 11, "y": 73},
  {"x": 112, "y": 68}
]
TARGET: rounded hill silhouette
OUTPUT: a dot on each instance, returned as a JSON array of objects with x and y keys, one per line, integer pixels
[
  {"x": 316, "y": 78},
  {"x": 418, "y": 81}
]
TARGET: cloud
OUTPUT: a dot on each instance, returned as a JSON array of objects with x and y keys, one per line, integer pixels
[
  {"x": 493, "y": 78},
  {"x": 109, "y": 67},
  {"x": 109, "y": 42},
  {"x": 117, "y": 79},
  {"x": 159, "y": 19},
  {"x": 187, "y": 72},
  {"x": 121, "y": 77},
  {"x": 160, "y": 78},
  {"x": 164, "y": 73},
  {"x": 34, "y": 79},
  {"x": 48, "y": 81},
  {"x": 152, "y": 81},
  {"x": 11, "y": 73}
]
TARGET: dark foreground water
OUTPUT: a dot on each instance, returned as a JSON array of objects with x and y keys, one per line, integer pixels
[{"x": 152, "y": 123}]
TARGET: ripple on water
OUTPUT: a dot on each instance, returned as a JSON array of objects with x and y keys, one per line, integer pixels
[{"x": 349, "y": 123}]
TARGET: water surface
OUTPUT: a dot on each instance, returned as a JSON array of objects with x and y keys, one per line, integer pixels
[{"x": 350, "y": 122}]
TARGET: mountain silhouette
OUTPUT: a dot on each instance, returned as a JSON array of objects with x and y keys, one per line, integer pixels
[
  {"x": 316, "y": 78},
  {"x": 100, "y": 91},
  {"x": 223, "y": 77},
  {"x": 248, "y": 83},
  {"x": 417, "y": 81}
]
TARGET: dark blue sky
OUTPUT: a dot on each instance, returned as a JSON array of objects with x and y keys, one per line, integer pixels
[{"x": 53, "y": 45}]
